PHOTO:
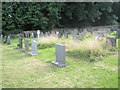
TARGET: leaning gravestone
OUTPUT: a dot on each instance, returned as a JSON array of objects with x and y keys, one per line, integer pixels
[
  {"x": 34, "y": 48},
  {"x": 20, "y": 46},
  {"x": 26, "y": 42},
  {"x": 111, "y": 41},
  {"x": 60, "y": 56},
  {"x": 8, "y": 40}
]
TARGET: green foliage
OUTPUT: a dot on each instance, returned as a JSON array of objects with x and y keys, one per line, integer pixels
[
  {"x": 46, "y": 45},
  {"x": 87, "y": 36},
  {"x": 48, "y": 15},
  {"x": 112, "y": 34}
]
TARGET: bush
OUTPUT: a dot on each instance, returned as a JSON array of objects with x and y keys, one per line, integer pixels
[
  {"x": 46, "y": 45},
  {"x": 88, "y": 35}
]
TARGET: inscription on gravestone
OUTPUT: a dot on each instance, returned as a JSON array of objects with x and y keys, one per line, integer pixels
[{"x": 60, "y": 56}]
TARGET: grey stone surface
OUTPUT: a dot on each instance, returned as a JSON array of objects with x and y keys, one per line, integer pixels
[
  {"x": 26, "y": 42},
  {"x": 60, "y": 35},
  {"x": 60, "y": 56},
  {"x": 34, "y": 48},
  {"x": 38, "y": 34},
  {"x": 111, "y": 41},
  {"x": 1, "y": 38},
  {"x": 66, "y": 34},
  {"x": 32, "y": 34},
  {"x": 8, "y": 40},
  {"x": 20, "y": 45}
]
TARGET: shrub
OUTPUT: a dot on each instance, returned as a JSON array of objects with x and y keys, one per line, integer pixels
[{"x": 46, "y": 45}]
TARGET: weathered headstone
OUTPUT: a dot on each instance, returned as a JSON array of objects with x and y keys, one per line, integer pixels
[
  {"x": 8, "y": 40},
  {"x": 60, "y": 56},
  {"x": 38, "y": 34},
  {"x": 20, "y": 46},
  {"x": 34, "y": 48},
  {"x": 26, "y": 42},
  {"x": 111, "y": 41}
]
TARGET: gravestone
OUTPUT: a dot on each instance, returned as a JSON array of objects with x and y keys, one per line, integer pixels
[
  {"x": 20, "y": 46},
  {"x": 34, "y": 48},
  {"x": 41, "y": 34},
  {"x": 118, "y": 33},
  {"x": 1, "y": 38},
  {"x": 26, "y": 42},
  {"x": 32, "y": 34},
  {"x": 8, "y": 40},
  {"x": 74, "y": 35},
  {"x": 48, "y": 33},
  {"x": 38, "y": 34},
  {"x": 60, "y": 35},
  {"x": 111, "y": 41},
  {"x": 66, "y": 34},
  {"x": 60, "y": 56}
]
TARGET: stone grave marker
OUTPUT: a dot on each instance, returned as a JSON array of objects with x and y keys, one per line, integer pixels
[
  {"x": 20, "y": 46},
  {"x": 111, "y": 41},
  {"x": 38, "y": 34},
  {"x": 60, "y": 35},
  {"x": 66, "y": 34},
  {"x": 60, "y": 56},
  {"x": 8, "y": 40},
  {"x": 32, "y": 35},
  {"x": 1, "y": 38},
  {"x": 34, "y": 48},
  {"x": 26, "y": 42}
]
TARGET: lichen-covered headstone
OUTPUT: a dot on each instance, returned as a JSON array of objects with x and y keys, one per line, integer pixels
[
  {"x": 34, "y": 48},
  {"x": 60, "y": 56},
  {"x": 26, "y": 42},
  {"x": 20, "y": 46}
]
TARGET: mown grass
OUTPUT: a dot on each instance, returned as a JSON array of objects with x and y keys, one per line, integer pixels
[{"x": 19, "y": 70}]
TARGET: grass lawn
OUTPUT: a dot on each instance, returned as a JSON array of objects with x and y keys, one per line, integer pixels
[{"x": 19, "y": 70}]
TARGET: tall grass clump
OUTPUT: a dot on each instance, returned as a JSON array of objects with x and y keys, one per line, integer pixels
[{"x": 90, "y": 48}]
